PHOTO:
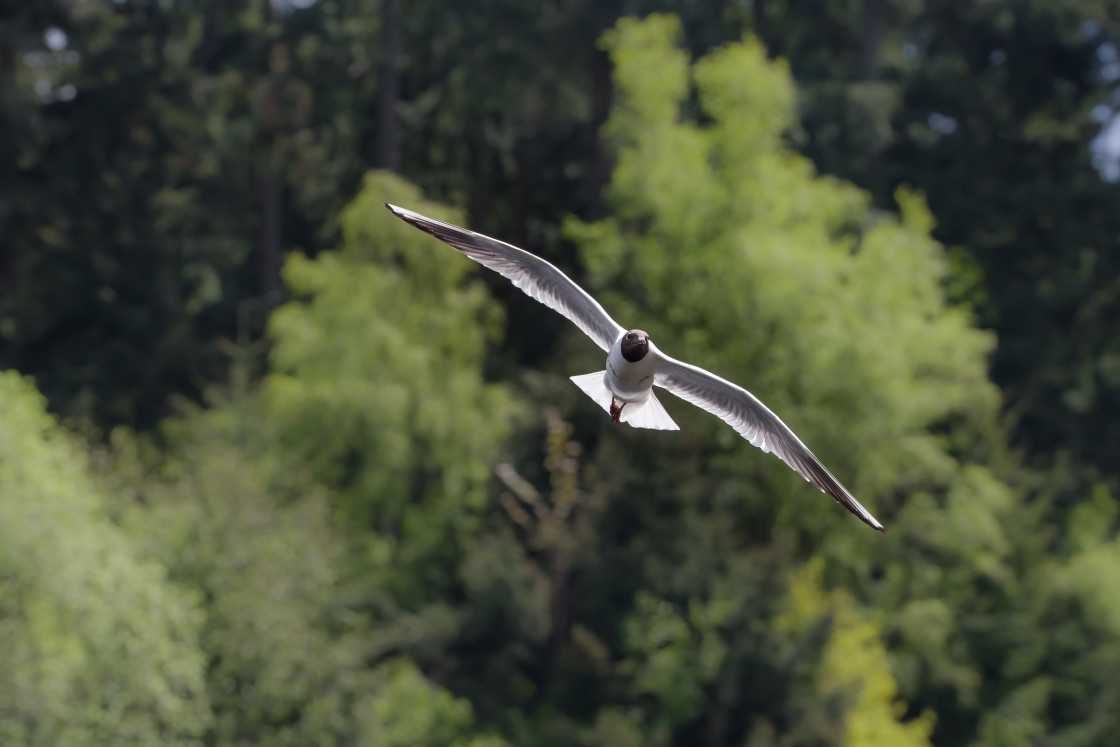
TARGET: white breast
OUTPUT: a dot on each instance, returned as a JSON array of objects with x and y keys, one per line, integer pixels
[{"x": 630, "y": 382}]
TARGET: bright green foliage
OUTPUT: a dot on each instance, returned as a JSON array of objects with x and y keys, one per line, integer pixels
[
  {"x": 853, "y": 665},
  {"x": 992, "y": 110},
  {"x": 1067, "y": 675},
  {"x": 678, "y": 654},
  {"x": 96, "y": 647},
  {"x": 409, "y": 710},
  {"x": 732, "y": 251},
  {"x": 727, "y": 246},
  {"x": 377, "y": 383},
  {"x": 267, "y": 574},
  {"x": 291, "y": 661}
]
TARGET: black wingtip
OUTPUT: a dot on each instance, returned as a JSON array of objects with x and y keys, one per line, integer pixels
[{"x": 872, "y": 522}]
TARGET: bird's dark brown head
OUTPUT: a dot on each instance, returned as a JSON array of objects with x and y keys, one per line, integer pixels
[{"x": 635, "y": 345}]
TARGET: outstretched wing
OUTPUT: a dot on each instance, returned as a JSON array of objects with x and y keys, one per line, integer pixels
[
  {"x": 756, "y": 423},
  {"x": 534, "y": 276}
]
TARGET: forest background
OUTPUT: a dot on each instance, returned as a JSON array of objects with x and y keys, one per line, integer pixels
[{"x": 276, "y": 468}]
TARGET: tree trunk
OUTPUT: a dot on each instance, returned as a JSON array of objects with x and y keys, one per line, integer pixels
[
  {"x": 726, "y": 697},
  {"x": 599, "y": 170},
  {"x": 271, "y": 194},
  {"x": 560, "y": 608},
  {"x": 167, "y": 279},
  {"x": 871, "y": 42},
  {"x": 872, "y": 39},
  {"x": 523, "y": 190},
  {"x": 388, "y": 149},
  {"x": 762, "y": 27},
  {"x": 7, "y": 156},
  {"x": 481, "y": 187}
]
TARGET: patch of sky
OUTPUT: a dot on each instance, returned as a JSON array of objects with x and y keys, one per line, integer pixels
[
  {"x": 287, "y": 6},
  {"x": 942, "y": 123},
  {"x": 1106, "y": 146},
  {"x": 55, "y": 39},
  {"x": 1109, "y": 69}
]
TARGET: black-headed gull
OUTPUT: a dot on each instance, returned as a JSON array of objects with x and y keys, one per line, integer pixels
[{"x": 634, "y": 364}]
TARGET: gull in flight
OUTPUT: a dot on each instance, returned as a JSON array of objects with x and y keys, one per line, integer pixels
[{"x": 634, "y": 363}]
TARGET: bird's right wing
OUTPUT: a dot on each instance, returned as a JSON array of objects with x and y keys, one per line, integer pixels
[
  {"x": 537, "y": 278},
  {"x": 755, "y": 422}
]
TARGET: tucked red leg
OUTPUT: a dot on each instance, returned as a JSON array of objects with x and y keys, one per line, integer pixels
[{"x": 616, "y": 411}]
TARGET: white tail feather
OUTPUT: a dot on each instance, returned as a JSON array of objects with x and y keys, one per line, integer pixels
[
  {"x": 648, "y": 414},
  {"x": 594, "y": 385}
]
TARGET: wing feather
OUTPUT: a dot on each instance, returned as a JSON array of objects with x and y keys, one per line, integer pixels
[
  {"x": 536, "y": 277},
  {"x": 755, "y": 422}
]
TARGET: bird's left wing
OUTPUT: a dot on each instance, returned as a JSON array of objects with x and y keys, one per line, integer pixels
[
  {"x": 756, "y": 423},
  {"x": 536, "y": 277}
]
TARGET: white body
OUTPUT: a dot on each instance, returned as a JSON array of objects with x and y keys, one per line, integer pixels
[
  {"x": 629, "y": 385},
  {"x": 630, "y": 382}
]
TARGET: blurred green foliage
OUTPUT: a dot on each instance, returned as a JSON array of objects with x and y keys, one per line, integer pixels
[
  {"x": 381, "y": 515},
  {"x": 854, "y": 664},
  {"x": 373, "y": 360},
  {"x": 869, "y": 352},
  {"x": 376, "y": 382},
  {"x": 96, "y": 645}
]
